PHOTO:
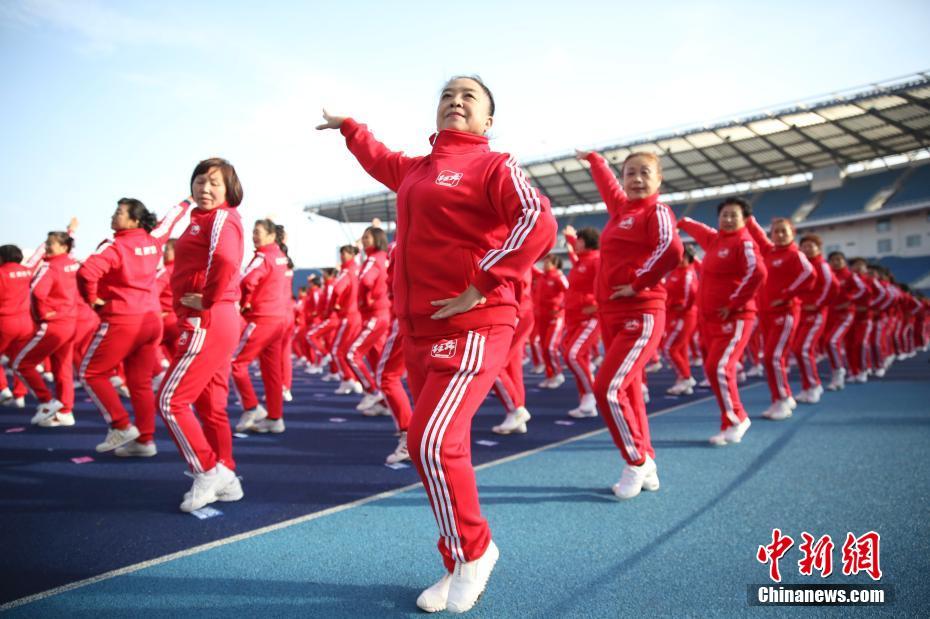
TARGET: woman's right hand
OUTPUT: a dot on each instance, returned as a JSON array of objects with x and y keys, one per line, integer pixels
[
  {"x": 582, "y": 154},
  {"x": 569, "y": 231},
  {"x": 332, "y": 122}
]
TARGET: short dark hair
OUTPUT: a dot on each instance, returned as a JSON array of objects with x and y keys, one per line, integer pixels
[
  {"x": 477, "y": 79},
  {"x": 352, "y": 249},
  {"x": 380, "y": 237},
  {"x": 836, "y": 253},
  {"x": 10, "y": 253},
  {"x": 744, "y": 206},
  {"x": 62, "y": 238},
  {"x": 137, "y": 212},
  {"x": 590, "y": 236},
  {"x": 555, "y": 260},
  {"x": 230, "y": 178},
  {"x": 813, "y": 238},
  {"x": 689, "y": 252}
]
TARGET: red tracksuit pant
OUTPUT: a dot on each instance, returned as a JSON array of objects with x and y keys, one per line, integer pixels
[
  {"x": 449, "y": 378},
  {"x": 580, "y": 340},
  {"x": 838, "y": 324},
  {"x": 132, "y": 341},
  {"x": 84, "y": 331},
  {"x": 725, "y": 343},
  {"x": 261, "y": 339},
  {"x": 551, "y": 332},
  {"x": 678, "y": 332},
  {"x": 287, "y": 349},
  {"x": 858, "y": 351},
  {"x": 349, "y": 328},
  {"x": 509, "y": 386},
  {"x": 810, "y": 330},
  {"x": 199, "y": 377},
  {"x": 15, "y": 332},
  {"x": 319, "y": 335},
  {"x": 54, "y": 340},
  {"x": 390, "y": 371},
  {"x": 368, "y": 344},
  {"x": 778, "y": 330},
  {"x": 630, "y": 340}
]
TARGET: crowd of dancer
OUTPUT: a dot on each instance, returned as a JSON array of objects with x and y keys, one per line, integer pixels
[{"x": 467, "y": 295}]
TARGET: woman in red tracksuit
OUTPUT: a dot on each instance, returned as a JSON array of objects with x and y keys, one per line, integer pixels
[
  {"x": 682, "y": 286},
  {"x": 840, "y": 317},
  {"x": 813, "y": 320},
  {"x": 265, "y": 306},
  {"x": 639, "y": 247},
  {"x": 119, "y": 281},
  {"x": 468, "y": 226},
  {"x": 16, "y": 326},
  {"x": 54, "y": 309},
  {"x": 581, "y": 325},
  {"x": 205, "y": 284},
  {"x": 858, "y": 348},
  {"x": 510, "y": 387},
  {"x": 551, "y": 311},
  {"x": 789, "y": 274},
  {"x": 345, "y": 306},
  {"x": 375, "y": 309},
  {"x": 320, "y": 336},
  {"x": 731, "y": 272}
]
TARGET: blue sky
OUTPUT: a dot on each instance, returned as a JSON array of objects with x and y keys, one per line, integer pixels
[{"x": 109, "y": 99}]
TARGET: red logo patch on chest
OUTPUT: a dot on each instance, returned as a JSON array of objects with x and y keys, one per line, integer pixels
[
  {"x": 444, "y": 349},
  {"x": 448, "y": 178}
]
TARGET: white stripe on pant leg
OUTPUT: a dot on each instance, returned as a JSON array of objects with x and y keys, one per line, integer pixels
[
  {"x": 837, "y": 359},
  {"x": 386, "y": 352},
  {"x": 670, "y": 341},
  {"x": 505, "y": 395},
  {"x": 244, "y": 339},
  {"x": 722, "y": 373},
  {"x": 778, "y": 357},
  {"x": 555, "y": 338},
  {"x": 616, "y": 383},
  {"x": 573, "y": 355},
  {"x": 444, "y": 422},
  {"x": 336, "y": 342},
  {"x": 866, "y": 345},
  {"x": 369, "y": 326},
  {"x": 39, "y": 334},
  {"x": 806, "y": 357},
  {"x": 432, "y": 481},
  {"x": 171, "y": 383},
  {"x": 82, "y": 372}
]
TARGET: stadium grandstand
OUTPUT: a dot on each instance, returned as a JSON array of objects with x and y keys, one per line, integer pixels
[{"x": 853, "y": 167}]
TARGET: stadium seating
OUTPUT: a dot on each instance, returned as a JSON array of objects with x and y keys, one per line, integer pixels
[
  {"x": 853, "y": 196},
  {"x": 779, "y": 203},
  {"x": 906, "y": 270},
  {"x": 705, "y": 212},
  {"x": 916, "y": 187}
]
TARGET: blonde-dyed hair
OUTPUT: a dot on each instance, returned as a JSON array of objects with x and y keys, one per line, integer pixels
[{"x": 646, "y": 155}]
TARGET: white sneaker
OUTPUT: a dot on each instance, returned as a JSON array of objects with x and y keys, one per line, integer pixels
[
  {"x": 645, "y": 390},
  {"x": 880, "y": 372},
  {"x": 741, "y": 377},
  {"x": 206, "y": 486},
  {"x": 48, "y": 376},
  {"x": 719, "y": 439},
  {"x": 539, "y": 369},
  {"x": 118, "y": 438},
  {"x": 756, "y": 371},
  {"x": 734, "y": 434},
  {"x": 810, "y": 396},
  {"x": 266, "y": 425},
  {"x": 250, "y": 417},
  {"x": 557, "y": 381},
  {"x": 136, "y": 449},
  {"x": 514, "y": 422},
  {"x": 313, "y": 369},
  {"x": 434, "y": 599},
  {"x": 634, "y": 479},
  {"x": 838, "y": 381},
  {"x": 287, "y": 395},
  {"x": 704, "y": 384},
  {"x": 653, "y": 367},
  {"x": 330, "y": 377},
  {"x": 545, "y": 383},
  {"x": 778, "y": 411},
  {"x": 684, "y": 386},
  {"x": 356, "y": 387},
  {"x": 19, "y": 402},
  {"x": 587, "y": 407},
  {"x": 57, "y": 420},
  {"x": 791, "y": 402},
  {"x": 6, "y": 396},
  {"x": 470, "y": 579},
  {"x": 46, "y": 411},
  {"x": 368, "y": 400},
  {"x": 376, "y": 410},
  {"x": 400, "y": 454},
  {"x": 347, "y": 387}
]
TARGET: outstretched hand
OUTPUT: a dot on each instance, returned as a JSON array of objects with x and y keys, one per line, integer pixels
[
  {"x": 332, "y": 122},
  {"x": 458, "y": 305},
  {"x": 582, "y": 154}
]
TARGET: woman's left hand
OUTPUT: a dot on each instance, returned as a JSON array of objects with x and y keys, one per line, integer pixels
[
  {"x": 458, "y": 305},
  {"x": 192, "y": 300},
  {"x": 626, "y": 290}
]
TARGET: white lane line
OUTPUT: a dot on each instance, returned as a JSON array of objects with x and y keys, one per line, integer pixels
[{"x": 129, "y": 569}]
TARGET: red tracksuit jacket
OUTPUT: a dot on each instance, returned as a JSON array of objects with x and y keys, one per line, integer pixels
[
  {"x": 372, "y": 284},
  {"x": 789, "y": 272},
  {"x": 682, "y": 287},
  {"x": 14, "y": 289},
  {"x": 265, "y": 286},
  {"x": 344, "y": 299},
  {"x": 208, "y": 257},
  {"x": 54, "y": 289},
  {"x": 581, "y": 283},
  {"x": 163, "y": 283},
  {"x": 639, "y": 245},
  {"x": 731, "y": 272},
  {"x": 553, "y": 285},
  {"x": 122, "y": 272},
  {"x": 824, "y": 285},
  {"x": 465, "y": 216},
  {"x": 849, "y": 289}
]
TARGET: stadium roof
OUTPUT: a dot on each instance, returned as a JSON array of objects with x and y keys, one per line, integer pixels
[{"x": 892, "y": 118}]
